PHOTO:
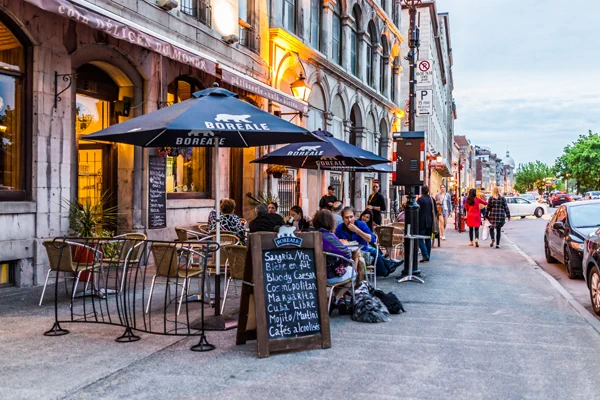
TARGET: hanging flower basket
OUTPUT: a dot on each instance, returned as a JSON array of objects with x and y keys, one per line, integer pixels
[{"x": 277, "y": 171}]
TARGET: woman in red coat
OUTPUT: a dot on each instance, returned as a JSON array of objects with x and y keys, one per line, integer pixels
[{"x": 474, "y": 215}]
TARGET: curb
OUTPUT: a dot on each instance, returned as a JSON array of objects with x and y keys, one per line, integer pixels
[{"x": 581, "y": 310}]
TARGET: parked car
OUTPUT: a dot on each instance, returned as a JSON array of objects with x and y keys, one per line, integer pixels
[
  {"x": 591, "y": 268},
  {"x": 559, "y": 198},
  {"x": 592, "y": 195},
  {"x": 576, "y": 197},
  {"x": 566, "y": 232},
  {"x": 528, "y": 196},
  {"x": 520, "y": 207}
]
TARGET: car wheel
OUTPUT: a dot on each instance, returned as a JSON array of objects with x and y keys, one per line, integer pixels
[
  {"x": 595, "y": 289},
  {"x": 568, "y": 266},
  {"x": 523, "y": 217},
  {"x": 538, "y": 212},
  {"x": 549, "y": 258}
]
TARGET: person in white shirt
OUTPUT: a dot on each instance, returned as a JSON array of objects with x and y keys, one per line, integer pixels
[{"x": 444, "y": 204}]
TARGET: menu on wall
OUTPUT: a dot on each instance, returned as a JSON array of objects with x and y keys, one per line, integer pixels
[
  {"x": 157, "y": 193},
  {"x": 291, "y": 298}
]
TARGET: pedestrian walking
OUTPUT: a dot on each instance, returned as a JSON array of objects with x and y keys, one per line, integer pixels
[
  {"x": 497, "y": 213},
  {"x": 427, "y": 218},
  {"x": 444, "y": 208},
  {"x": 376, "y": 202},
  {"x": 474, "y": 215}
]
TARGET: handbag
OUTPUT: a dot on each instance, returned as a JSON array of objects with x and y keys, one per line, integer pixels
[
  {"x": 486, "y": 230},
  {"x": 435, "y": 228}
]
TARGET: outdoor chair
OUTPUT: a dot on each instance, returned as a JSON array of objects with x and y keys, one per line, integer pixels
[
  {"x": 64, "y": 262},
  {"x": 236, "y": 262},
  {"x": 211, "y": 264},
  {"x": 127, "y": 250},
  {"x": 389, "y": 239},
  {"x": 184, "y": 235},
  {"x": 174, "y": 267},
  {"x": 348, "y": 283}
]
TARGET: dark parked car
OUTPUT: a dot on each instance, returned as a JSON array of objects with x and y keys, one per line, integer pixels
[
  {"x": 591, "y": 268},
  {"x": 559, "y": 198},
  {"x": 566, "y": 232}
]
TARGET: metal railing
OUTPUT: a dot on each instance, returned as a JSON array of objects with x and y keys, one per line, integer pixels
[{"x": 199, "y": 9}]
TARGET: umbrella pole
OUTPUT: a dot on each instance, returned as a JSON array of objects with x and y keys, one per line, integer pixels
[
  {"x": 320, "y": 191},
  {"x": 218, "y": 214}
]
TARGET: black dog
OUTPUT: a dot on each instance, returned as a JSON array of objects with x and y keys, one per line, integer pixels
[{"x": 390, "y": 300}]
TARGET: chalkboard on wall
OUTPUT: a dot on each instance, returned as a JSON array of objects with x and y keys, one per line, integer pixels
[
  {"x": 287, "y": 306},
  {"x": 157, "y": 193}
]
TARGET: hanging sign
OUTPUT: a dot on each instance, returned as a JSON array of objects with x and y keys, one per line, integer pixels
[
  {"x": 424, "y": 102},
  {"x": 424, "y": 73},
  {"x": 285, "y": 308}
]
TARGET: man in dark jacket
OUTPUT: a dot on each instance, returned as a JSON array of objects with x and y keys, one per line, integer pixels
[
  {"x": 264, "y": 221},
  {"x": 327, "y": 201},
  {"x": 427, "y": 213},
  {"x": 376, "y": 203}
]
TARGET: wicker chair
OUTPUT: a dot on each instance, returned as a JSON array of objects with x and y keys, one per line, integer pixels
[
  {"x": 184, "y": 235},
  {"x": 64, "y": 262},
  {"x": 236, "y": 261},
  {"x": 211, "y": 265},
  {"x": 389, "y": 238},
  {"x": 173, "y": 267}
]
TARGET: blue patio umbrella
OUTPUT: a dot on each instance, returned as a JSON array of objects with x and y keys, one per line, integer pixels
[{"x": 213, "y": 117}]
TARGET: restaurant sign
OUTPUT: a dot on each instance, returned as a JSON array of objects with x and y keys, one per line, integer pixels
[{"x": 125, "y": 32}]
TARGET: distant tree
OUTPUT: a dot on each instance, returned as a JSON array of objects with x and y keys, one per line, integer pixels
[
  {"x": 581, "y": 161},
  {"x": 532, "y": 176}
]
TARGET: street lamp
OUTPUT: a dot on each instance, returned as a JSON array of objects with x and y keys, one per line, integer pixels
[{"x": 300, "y": 89}]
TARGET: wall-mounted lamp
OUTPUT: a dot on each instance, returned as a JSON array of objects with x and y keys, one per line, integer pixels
[
  {"x": 439, "y": 159},
  {"x": 300, "y": 89},
  {"x": 400, "y": 114}
]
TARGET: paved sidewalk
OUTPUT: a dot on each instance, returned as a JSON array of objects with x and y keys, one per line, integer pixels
[{"x": 486, "y": 324}]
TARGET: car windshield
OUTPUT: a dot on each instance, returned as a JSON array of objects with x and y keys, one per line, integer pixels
[{"x": 585, "y": 216}]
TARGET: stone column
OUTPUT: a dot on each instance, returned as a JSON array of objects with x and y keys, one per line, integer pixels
[
  {"x": 387, "y": 73},
  {"x": 396, "y": 82},
  {"x": 347, "y": 23},
  {"x": 363, "y": 40},
  {"x": 375, "y": 67},
  {"x": 326, "y": 26}
]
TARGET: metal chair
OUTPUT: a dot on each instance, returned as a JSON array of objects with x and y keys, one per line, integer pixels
[
  {"x": 236, "y": 261},
  {"x": 371, "y": 267},
  {"x": 184, "y": 235},
  {"x": 60, "y": 255},
  {"x": 174, "y": 263},
  {"x": 211, "y": 264},
  {"x": 345, "y": 283}
]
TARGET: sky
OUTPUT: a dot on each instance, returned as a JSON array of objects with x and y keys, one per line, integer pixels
[{"x": 526, "y": 73}]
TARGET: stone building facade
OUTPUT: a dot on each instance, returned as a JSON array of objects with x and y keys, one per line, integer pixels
[{"x": 130, "y": 57}]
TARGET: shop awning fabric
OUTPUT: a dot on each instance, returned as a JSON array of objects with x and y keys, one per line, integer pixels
[{"x": 95, "y": 17}]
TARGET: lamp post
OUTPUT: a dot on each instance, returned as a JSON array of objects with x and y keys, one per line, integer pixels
[{"x": 411, "y": 209}]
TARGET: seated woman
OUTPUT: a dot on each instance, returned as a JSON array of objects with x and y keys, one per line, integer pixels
[
  {"x": 337, "y": 271},
  {"x": 301, "y": 222},
  {"x": 367, "y": 218},
  {"x": 229, "y": 221}
]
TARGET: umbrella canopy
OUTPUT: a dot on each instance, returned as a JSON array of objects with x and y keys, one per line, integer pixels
[
  {"x": 199, "y": 121},
  {"x": 381, "y": 168},
  {"x": 331, "y": 154}
]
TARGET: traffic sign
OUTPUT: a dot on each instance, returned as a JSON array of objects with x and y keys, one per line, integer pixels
[
  {"x": 424, "y": 102},
  {"x": 424, "y": 73}
]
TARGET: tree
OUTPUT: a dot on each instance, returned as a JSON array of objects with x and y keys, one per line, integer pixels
[
  {"x": 581, "y": 161},
  {"x": 531, "y": 176}
]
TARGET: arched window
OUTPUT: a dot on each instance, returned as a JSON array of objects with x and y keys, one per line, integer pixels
[
  {"x": 316, "y": 119},
  {"x": 188, "y": 168},
  {"x": 12, "y": 137},
  {"x": 315, "y": 23},
  {"x": 336, "y": 34},
  {"x": 354, "y": 41},
  {"x": 371, "y": 48},
  {"x": 289, "y": 15},
  {"x": 393, "y": 82}
]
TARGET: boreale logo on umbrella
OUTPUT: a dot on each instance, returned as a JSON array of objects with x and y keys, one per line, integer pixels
[
  {"x": 330, "y": 161},
  {"x": 198, "y": 138},
  {"x": 306, "y": 151},
  {"x": 235, "y": 122}
]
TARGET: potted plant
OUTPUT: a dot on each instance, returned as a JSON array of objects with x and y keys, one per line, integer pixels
[{"x": 277, "y": 170}]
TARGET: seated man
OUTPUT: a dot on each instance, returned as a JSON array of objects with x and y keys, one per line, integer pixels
[
  {"x": 354, "y": 230},
  {"x": 265, "y": 221}
]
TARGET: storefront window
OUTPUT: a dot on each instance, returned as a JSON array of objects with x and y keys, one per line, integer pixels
[
  {"x": 188, "y": 168},
  {"x": 12, "y": 68}
]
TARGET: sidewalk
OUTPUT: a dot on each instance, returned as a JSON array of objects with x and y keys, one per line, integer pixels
[{"x": 486, "y": 324}]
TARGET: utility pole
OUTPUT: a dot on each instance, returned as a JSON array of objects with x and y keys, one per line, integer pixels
[{"x": 411, "y": 209}]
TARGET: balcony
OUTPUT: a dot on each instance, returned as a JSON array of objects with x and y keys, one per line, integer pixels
[{"x": 199, "y": 9}]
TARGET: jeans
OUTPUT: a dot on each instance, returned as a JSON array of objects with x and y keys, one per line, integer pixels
[
  {"x": 383, "y": 265},
  {"x": 498, "y": 229},
  {"x": 471, "y": 233},
  {"x": 425, "y": 246}
]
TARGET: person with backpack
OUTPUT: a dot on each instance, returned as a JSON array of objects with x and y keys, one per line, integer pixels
[
  {"x": 473, "y": 215},
  {"x": 497, "y": 213}
]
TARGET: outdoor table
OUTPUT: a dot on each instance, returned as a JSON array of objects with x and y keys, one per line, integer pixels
[{"x": 410, "y": 276}]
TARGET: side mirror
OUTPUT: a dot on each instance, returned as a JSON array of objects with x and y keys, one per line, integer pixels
[{"x": 559, "y": 226}]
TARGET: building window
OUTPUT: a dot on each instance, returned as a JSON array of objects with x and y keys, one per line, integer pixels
[
  {"x": 393, "y": 80},
  {"x": 315, "y": 23},
  {"x": 371, "y": 48},
  {"x": 289, "y": 15},
  {"x": 188, "y": 168},
  {"x": 199, "y": 9},
  {"x": 247, "y": 32},
  {"x": 354, "y": 42},
  {"x": 12, "y": 147},
  {"x": 336, "y": 34},
  {"x": 7, "y": 274}
]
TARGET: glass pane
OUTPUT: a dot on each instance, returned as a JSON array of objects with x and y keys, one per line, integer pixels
[
  {"x": 11, "y": 51},
  {"x": 90, "y": 176},
  {"x": 289, "y": 15},
  {"x": 315, "y": 12},
  {"x": 188, "y": 170},
  {"x": 10, "y": 133},
  {"x": 243, "y": 10},
  {"x": 353, "y": 53},
  {"x": 336, "y": 34},
  {"x": 92, "y": 115},
  {"x": 184, "y": 91}
]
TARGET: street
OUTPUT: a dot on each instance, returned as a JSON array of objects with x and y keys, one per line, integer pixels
[{"x": 528, "y": 235}]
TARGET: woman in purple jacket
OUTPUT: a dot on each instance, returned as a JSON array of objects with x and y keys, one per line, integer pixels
[{"x": 337, "y": 271}]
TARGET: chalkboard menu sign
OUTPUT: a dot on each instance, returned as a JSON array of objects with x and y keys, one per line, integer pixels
[
  {"x": 286, "y": 308},
  {"x": 157, "y": 193}
]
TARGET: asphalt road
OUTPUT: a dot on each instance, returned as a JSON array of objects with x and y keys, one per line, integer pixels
[{"x": 528, "y": 234}]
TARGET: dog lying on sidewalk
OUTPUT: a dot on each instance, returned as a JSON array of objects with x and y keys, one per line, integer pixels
[{"x": 374, "y": 305}]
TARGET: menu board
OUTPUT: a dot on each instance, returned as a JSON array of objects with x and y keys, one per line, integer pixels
[
  {"x": 157, "y": 193},
  {"x": 290, "y": 282},
  {"x": 284, "y": 296}
]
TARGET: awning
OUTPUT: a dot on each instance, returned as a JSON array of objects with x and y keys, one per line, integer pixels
[
  {"x": 116, "y": 26},
  {"x": 441, "y": 168}
]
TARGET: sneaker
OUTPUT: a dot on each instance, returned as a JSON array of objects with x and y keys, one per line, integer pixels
[
  {"x": 443, "y": 237},
  {"x": 492, "y": 243},
  {"x": 476, "y": 243},
  {"x": 470, "y": 243},
  {"x": 497, "y": 246}
]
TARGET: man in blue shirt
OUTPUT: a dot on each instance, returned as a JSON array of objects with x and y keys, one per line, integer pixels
[{"x": 355, "y": 230}]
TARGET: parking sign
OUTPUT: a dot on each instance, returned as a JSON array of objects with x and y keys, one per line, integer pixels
[{"x": 424, "y": 102}]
